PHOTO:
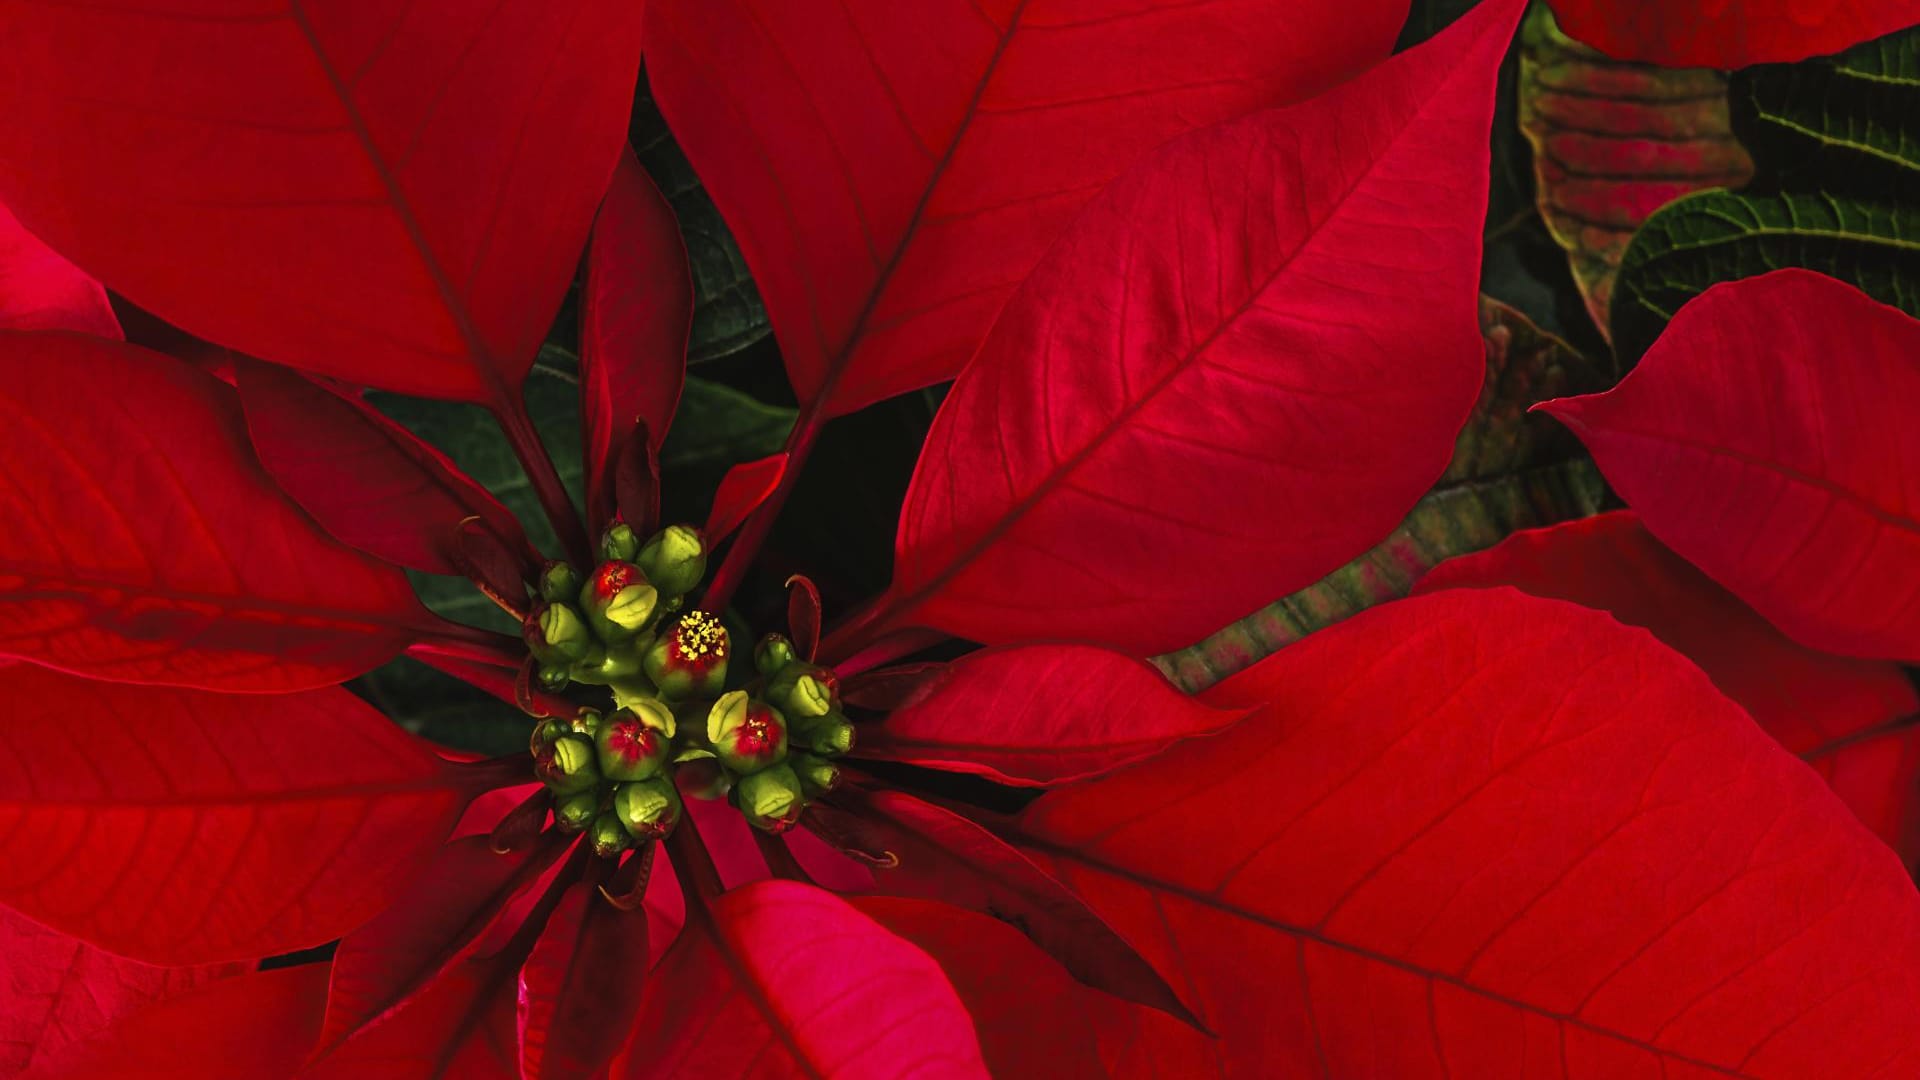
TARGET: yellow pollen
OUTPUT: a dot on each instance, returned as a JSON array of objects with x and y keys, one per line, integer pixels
[{"x": 700, "y": 634}]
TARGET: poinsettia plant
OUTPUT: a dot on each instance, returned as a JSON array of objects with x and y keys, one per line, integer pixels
[{"x": 1206, "y": 278}]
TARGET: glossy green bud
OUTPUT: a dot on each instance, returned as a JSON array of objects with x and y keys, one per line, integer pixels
[
  {"x": 772, "y": 653},
  {"x": 559, "y": 582},
  {"x": 746, "y": 735},
  {"x": 553, "y": 678},
  {"x": 675, "y": 559},
  {"x": 619, "y": 601},
  {"x": 587, "y": 722},
  {"x": 608, "y": 836},
  {"x": 827, "y": 736},
  {"x": 572, "y": 813},
  {"x": 771, "y": 799},
  {"x": 817, "y": 775},
  {"x": 545, "y": 732},
  {"x": 632, "y": 747},
  {"x": 647, "y": 808},
  {"x": 619, "y": 542},
  {"x": 804, "y": 691},
  {"x": 689, "y": 659},
  {"x": 555, "y": 634},
  {"x": 567, "y": 765}
]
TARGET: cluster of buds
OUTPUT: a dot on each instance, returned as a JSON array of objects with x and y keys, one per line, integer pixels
[
  {"x": 776, "y": 748},
  {"x": 598, "y": 628}
]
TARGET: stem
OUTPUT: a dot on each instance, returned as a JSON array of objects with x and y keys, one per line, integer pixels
[
  {"x": 494, "y": 650},
  {"x": 534, "y": 460},
  {"x": 699, "y": 878},
  {"x": 780, "y": 858},
  {"x": 890, "y": 647},
  {"x": 753, "y": 532},
  {"x": 498, "y": 772}
]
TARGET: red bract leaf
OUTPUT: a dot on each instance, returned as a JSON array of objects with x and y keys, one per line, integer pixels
[
  {"x": 780, "y": 978},
  {"x": 1478, "y": 830},
  {"x": 391, "y": 194},
  {"x": 60, "y": 993},
  {"x": 943, "y": 856},
  {"x": 803, "y": 616},
  {"x": 744, "y": 487},
  {"x": 634, "y": 318},
  {"x": 39, "y": 290},
  {"x": 886, "y": 689},
  {"x": 243, "y": 1028},
  {"x": 1038, "y": 715},
  {"x": 364, "y": 478},
  {"x": 451, "y": 901},
  {"x": 461, "y": 1026},
  {"x": 1852, "y": 720},
  {"x": 1729, "y": 33},
  {"x": 145, "y": 544},
  {"x": 1761, "y": 438},
  {"x": 1242, "y": 365},
  {"x": 177, "y": 826},
  {"x": 893, "y": 171},
  {"x": 581, "y": 987}
]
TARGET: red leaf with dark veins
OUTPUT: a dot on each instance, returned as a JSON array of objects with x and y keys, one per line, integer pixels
[
  {"x": 782, "y": 979},
  {"x": 892, "y": 170},
  {"x": 39, "y": 290},
  {"x": 460, "y": 1026},
  {"x": 1197, "y": 404},
  {"x": 1729, "y": 33},
  {"x": 1852, "y": 720},
  {"x": 1040, "y": 715},
  {"x": 393, "y": 194},
  {"x": 581, "y": 987},
  {"x": 178, "y": 826},
  {"x": 1483, "y": 834},
  {"x": 636, "y": 311},
  {"x": 741, "y": 491},
  {"x": 60, "y": 994},
  {"x": 1763, "y": 438},
  {"x": 145, "y": 544},
  {"x": 367, "y": 480}
]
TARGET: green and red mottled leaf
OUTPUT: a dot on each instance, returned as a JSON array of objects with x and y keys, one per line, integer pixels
[
  {"x": 1483, "y": 834},
  {"x": 1614, "y": 142},
  {"x": 1041, "y": 715},
  {"x": 395, "y": 195},
  {"x": 178, "y": 826},
  {"x": 1242, "y": 365},
  {"x": 1729, "y": 33},
  {"x": 145, "y": 544},
  {"x": 863, "y": 150},
  {"x": 581, "y": 987},
  {"x": 634, "y": 321},
  {"x": 1853, "y": 720},
  {"x": 1763, "y": 438},
  {"x": 39, "y": 290},
  {"x": 784, "y": 979}
]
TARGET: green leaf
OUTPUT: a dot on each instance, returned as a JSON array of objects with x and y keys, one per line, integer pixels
[
  {"x": 1510, "y": 470},
  {"x": 717, "y": 426},
  {"x": 1836, "y": 149}
]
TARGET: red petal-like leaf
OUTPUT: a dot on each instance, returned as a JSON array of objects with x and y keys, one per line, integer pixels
[
  {"x": 743, "y": 489},
  {"x": 177, "y": 826},
  {"x": 393, "y": 194},
  {"x": 243, "y": 1028},
  {"x": 943, "y": 856},
  {"x": 461, "y": 1026},
  {"x": 886, "y": 689},
  {"x": 1763, "y": 437},
  {"x": 1852, "y": 720},
  {"x": 803, "y": 616},
  {"x": 1038, "y": 715},
  {"x": 1729, "y": 33},
  {"x": 364, "y": 478},
  {"x": 634, "y": 318},
  {"x": 452, "y": 900},
  {"x": 39, "y": 290},
  {"x": 781, "y": 979},
  {"x": 60, "y": 994},
  {"x": 893, "y": 170},
  {"x": 1479, "y": 834},
  {"x": 581, "y": 987},
  {"x": 145, "y": 544},
  {"x": 1240, "y": 367}
]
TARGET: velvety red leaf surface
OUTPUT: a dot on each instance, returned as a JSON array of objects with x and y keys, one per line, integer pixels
[
  {"x": 145, "y": 544},
  {"x": 581, "y": 987},
  {"x": 741, "y": 491},
  {"x": 243, "y": 1028},
  {"x": 1729, "y": 33},
  {"x": 58, "y": 994},
  {"x": 788, "y": 980},
  {"x": 395, "y": 194},
  {"x": 367, "y": 480},
  {"x": 39, "y": 290},
  {"x": 461, "y": 1027},
  {"x": 634, "y": 316},
  {"x": 1240, "y": 367},
  {"x": 892, "y": 171},
  {"x": 1761, "y": 438},
  {"x": 1039, "y": 715},
  {"x": 1483, "y": 834},
  {"x": 177, "y": 826},
  {"x": 1853, "y": 720}
]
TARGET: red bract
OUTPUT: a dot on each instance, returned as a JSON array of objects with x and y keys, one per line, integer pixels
[
  {"x": 1729, "y": 33},
  {"x": 39, "y": 290}
]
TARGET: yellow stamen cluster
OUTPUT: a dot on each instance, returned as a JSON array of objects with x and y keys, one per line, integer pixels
[{"x": 700, "y": 634}]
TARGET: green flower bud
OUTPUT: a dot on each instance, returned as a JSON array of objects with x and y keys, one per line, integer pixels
[
  {"x": 619, "y": 601},
  {"x": 619, "y": 542},
  {"x": 553, "y": 678},
  {"x": 632, "y": 746},
  {"x": 567, "y": 765},
  {"x": 613, "y": 665},
  {"x": 773, "y": 653},
  {"x": 771, "y": 798},
  {"x": 827, "y": 736},
  {"x": 747, "y": 736},
  {"x": 648, "y": 808},
  {"x": 817, "y": 775},
  {"x": 586, "y": 723},
  {"x": 689, "y": 660},
  {"x": 608, "y": 837},
  {"x": 555, "y": 635},
  {"x": 572, "y": 813},
  {"x": 803, "y": 691},
  {"x": 545, "y": 732},
  {"x": 559, "y": 582},
  {"x": 675, "y": 559}
]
